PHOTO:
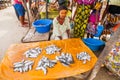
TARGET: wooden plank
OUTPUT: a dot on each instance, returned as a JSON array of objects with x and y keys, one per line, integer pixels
[
  {"x": 40, "y": 37},
  {"x": 33, "y": 36},
  {"x": 28, "y": 16},
  {"x": 29, "y": 35}
]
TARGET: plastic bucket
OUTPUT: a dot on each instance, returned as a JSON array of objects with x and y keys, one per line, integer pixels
[
  {"x": 42, "y": 25},
  {"x": 93, "y": 44},
  {"x": 100, "y": 29}
]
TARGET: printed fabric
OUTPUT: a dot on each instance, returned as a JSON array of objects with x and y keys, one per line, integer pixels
[
  {"x": 81, "y": 20},
  {"x": 86, "y": 2},
  {"x": 112, "y": 61},
  {"x": 91, "y": 29}
]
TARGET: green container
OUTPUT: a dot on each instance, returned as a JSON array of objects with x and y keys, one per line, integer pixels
[{"x": 51, "y": 14}]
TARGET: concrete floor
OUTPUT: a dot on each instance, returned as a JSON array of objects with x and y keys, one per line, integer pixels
[{"x": 11, "y": 32}]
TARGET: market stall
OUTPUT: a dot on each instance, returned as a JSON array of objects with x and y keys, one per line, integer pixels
[{"x": 16, "y": 53}]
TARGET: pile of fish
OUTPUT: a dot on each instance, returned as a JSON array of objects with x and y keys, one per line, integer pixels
[
  {"x": 23, "y": 66},
  {"x": 83, "y": 56},
  {"x": 65, "y": 58},
  {"x": 52, "y": 49},
  {"x": 33, "y": 53},
  {"x": 44, "y": 63}
]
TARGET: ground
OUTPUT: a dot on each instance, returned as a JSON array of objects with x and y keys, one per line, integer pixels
[{"x": 11, "y": 32}]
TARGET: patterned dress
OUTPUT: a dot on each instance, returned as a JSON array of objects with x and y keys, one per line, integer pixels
[
  {"x": 112, "y": 61},
  {"x": 82, "y": 15},
  {"x": 91, "y": 29},
  {"x": 81, "y": 20}
]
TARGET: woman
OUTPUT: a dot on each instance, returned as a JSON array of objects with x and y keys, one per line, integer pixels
[
  {"x": 81, "y": 17},
  {"x": 92, "y": 23},
  {"x": 61, "y": 25}
]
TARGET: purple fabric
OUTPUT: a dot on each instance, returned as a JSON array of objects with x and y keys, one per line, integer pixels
[
  {"x": 91, "y": 29},
  {"x": 86, "y": 2}
]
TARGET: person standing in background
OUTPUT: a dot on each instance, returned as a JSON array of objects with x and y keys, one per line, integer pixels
[
  {"x": 82, "y": 14},
  {"x": 93, "y": 20},
  {"x": 20, "y": 12},
  {"x": 92, "y": 23}
]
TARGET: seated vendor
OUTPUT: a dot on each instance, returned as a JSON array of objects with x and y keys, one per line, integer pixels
[{"x": 61, "y": 25}]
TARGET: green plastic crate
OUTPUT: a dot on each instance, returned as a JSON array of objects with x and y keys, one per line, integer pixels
[{"x": 51, "y": 14}]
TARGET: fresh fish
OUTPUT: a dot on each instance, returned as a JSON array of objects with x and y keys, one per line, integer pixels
[
  {"x": 51, "y": 49},
  {"x": 33, "y": 53},
  {"x": 84, "y": 57},
  {"x": 44, "y": 63},
  {"x": 23, "y": 66},
  {"x": 65, "y": 58}
]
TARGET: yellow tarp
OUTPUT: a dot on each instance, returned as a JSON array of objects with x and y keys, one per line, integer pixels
[{"x": 73, "y": 46}]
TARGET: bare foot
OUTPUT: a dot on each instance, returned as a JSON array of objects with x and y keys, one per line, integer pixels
[
  {"x": 26, "y": 19},
  {"x": 25, "y": 25},
  {"x": 25, "y": 22}
]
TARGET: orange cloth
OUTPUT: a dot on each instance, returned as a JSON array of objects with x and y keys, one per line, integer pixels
[
  {"x": 116, "y": 27},
  {"x": 73, "y": 46}
]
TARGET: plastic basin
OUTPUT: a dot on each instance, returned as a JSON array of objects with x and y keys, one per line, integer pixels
[
  {"x": 42, "y": 25},
  {"x": 93, "y": 44},
  {"x": 100, "y": 29}
]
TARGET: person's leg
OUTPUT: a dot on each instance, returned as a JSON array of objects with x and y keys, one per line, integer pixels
[
  {"x": 21, "y": 12},
  {"x": 91, "y": 36},
  {"x": 21, "y": 20},
  {"x": 16, "y": 13},
  {"x": 88, "y": 35}
]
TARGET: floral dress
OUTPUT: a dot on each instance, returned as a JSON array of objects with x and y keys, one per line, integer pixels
[
  {"x": 82, "y": 15},
  {"x": 112, "y": 61}
]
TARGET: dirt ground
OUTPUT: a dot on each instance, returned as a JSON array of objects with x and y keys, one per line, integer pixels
[{"x": 11, "y": 32}]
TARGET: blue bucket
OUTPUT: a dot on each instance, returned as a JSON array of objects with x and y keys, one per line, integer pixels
[
  {"x": 100, "y": 29},
  {"x": 42, "y": 25},
  {"x": 93, "y": 44}
]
